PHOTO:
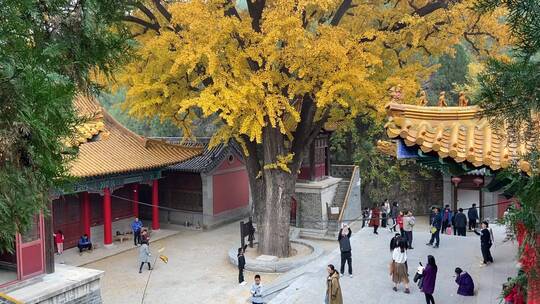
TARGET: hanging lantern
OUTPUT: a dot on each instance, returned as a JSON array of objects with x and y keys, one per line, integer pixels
[
  {"x": 456, "y": 180},
  {"x": 478, "y": 181}
]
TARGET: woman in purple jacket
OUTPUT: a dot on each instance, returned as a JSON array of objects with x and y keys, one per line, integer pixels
[{"x": 429, "y": 275}]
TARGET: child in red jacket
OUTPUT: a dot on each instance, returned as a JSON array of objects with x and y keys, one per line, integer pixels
[{"x": 59, "y": 241}]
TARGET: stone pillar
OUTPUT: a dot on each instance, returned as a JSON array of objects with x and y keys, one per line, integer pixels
[
  {"x": 107, "y": 217},
  {"x": 448, "y": 191},
  {"x": 207, "y": 199},
  {"x": 86, "y": 216},
  {"x": 135, "y": 199},
  {"x": 155, "y": 206}
]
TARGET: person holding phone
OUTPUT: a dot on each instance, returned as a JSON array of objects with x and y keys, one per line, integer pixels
[{"x": 257, "y": 291}]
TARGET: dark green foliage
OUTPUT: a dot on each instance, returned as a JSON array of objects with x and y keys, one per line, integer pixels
[
  {"x": 453, "y": 71},
  {"x": 379, "y": 172},
  {"x": 47, "y": 50}
]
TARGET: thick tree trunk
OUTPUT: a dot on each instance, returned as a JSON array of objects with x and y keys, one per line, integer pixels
[{"x": 275, "y": 221}]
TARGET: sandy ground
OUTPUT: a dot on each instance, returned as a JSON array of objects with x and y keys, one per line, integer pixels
[{"x": 198, "y": 271}]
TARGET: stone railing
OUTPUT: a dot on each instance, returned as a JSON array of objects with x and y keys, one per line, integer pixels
[
  {"x": 352, "y": 206},
  {"x": 342, "y": 171}
]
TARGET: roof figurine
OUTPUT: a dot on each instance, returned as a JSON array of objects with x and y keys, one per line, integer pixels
[
  {"x": 396, "y": 94},
  {"x": 462, "y": 100},
  {"x": 422, "y": 99},
  {"x": 442, "y": 99}
]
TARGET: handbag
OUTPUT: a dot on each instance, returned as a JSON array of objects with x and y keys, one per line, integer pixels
[
  {"x": 433, "y": 230},
  {"x": 449, "y": 230}
]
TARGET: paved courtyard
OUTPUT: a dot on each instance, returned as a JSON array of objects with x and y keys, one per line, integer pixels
[
  {"x": 371, "y": 283},
  {"x": 198, "y": 271}
]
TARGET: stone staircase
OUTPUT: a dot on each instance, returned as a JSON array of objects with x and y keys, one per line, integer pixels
[{"x": 338, "y": 201}]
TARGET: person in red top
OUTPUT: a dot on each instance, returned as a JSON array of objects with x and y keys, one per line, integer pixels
[
  {"x": 399, "y": 221},
  {"x": 59, "y": 241}
]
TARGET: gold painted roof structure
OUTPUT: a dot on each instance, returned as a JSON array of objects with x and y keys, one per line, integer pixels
[
  {"x": 106, "y": 147},
  {"x": 455, "y": 132}
]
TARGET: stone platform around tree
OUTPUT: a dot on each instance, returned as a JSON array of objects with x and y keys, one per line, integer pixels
[
  {"x": 371, "y": 283},
  {"x": 274, "y": 264}
]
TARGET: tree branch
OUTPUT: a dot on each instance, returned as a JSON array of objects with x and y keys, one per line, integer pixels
[
  {"x": 147, "y": 25},
  {"x": 255, "y": 9},
  {"x": 162, "y": 10},
  {"x": 342, "y": 9}
]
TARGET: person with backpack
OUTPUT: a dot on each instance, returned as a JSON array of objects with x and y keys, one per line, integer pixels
[{"x": 345, "y": 248}]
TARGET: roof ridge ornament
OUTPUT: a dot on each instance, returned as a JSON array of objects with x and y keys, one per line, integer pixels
[{"x": 442, "y": 99}]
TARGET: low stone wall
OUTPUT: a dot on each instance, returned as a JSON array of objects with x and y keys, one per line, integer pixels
[
  {"x": 282, "y": 265},
  {"x": 67, "y": 285}
]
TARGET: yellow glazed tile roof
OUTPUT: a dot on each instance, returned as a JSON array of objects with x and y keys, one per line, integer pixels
[
  {"x": 106, "y": 147},
  {"x": 455, "y": 132}
]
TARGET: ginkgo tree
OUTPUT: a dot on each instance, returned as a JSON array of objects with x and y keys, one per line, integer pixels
[{"x": 273, "y": 72}]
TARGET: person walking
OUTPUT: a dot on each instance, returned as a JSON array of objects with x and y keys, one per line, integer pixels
[
  {"x": 333, "y": 289},
  {"x": 241, "y": 266},
  {"x": 435, "y": 228},
  {"x": 59, "y": 241},
  {"x": 365, "y": 217},
  {"x": 486, "y": 241},
  {"x": 465, "y": 283},
  {"x": 429, "y": 276},
  {"x": 345, "y": 248},
  {"x": 460, "y": 223},
  {"x": 446, "y": 218},
  {"x": 408, "y": 224},
  {"x": 394, "y": 212},
  {"x": 399, "y": 221},
  {"x": 375, "y": 217},
  {"x": 136, "y": 227},
  {"x": 257, "y": 291},
  {"x": 384, "y": 214},
  {"x": 144, "y": 256},
  {"x": 472, "y": 214},
  {"x": 399, "y": 267}
]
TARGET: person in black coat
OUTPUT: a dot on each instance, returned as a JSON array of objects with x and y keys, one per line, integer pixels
[
  {"x": 472, "y": 214},
  {"x": 486, "y": 241},
  {"x": 345, "y": 248},
  {"x": 394, "y": 242},
  {"x": 436, "y": 224},
  {"x": 461, "y": 223},
  {"x": 241, "y": 265}
]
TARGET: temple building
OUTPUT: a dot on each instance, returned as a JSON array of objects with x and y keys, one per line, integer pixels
[{"x": 465, "y": 147}]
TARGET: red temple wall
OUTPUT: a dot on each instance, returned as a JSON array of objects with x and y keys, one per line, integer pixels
[{"x": 230, "y": 186}]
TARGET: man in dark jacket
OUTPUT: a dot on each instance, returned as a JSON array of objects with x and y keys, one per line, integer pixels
[
  {"x": 473, "y": 217},
  {"x": 241, "y": 265},
  {"x": 461, "y": 223},
  {"x": 345, "y": 248},
  {"x": 435, "y": 227}
]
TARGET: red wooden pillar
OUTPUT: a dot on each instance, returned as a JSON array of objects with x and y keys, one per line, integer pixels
[
  {"x": 155, "y": 209},
  {"x": 107, "y": 217},
  {"x": 135, "y": 200},
  {"x": 86, "y": 213}
]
